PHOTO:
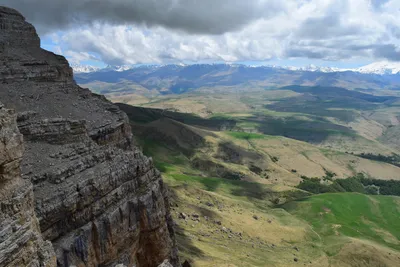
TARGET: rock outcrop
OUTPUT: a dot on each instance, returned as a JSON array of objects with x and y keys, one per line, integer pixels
[
  {"x": 98, "y": 199},
  {"x": 21, "y": 242}
]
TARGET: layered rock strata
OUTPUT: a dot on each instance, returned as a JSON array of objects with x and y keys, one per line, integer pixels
[
  {"x": 98, "y": 199},
  {"x": 21, "y": 242}
]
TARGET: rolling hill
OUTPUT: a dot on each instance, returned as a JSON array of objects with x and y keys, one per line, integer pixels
[
  {"x": 235, "y": 159},
  {"x": 235, "y": 203},
  {"x": 215, "y": 148}
]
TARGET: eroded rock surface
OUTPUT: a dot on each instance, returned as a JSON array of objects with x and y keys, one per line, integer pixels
[
  {"x": 21, "y": 242},
  {"x": 98, "y": 199}
]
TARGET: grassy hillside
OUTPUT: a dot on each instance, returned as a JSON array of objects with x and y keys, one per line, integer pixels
[
  {"x": 329, "y": 117},
  {"x": 222, "y": 222},
  {"x": 222, "y": 228},
  {"x": 229, "y": 223},
  {"x": 354, "y": 215},
  {"x": 204, "y": 145},
  {"x": 232, "y": 177}
]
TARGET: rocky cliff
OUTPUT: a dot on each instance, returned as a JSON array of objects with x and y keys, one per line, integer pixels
[
  {"x": 21, "y": 243},
  {"x": 98, "y": 199}
]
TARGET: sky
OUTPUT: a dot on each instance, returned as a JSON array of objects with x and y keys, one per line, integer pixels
[{"x": 336, "y": 33}]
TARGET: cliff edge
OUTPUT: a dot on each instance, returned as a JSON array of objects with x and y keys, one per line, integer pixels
[{"x": 98, "y": 199}]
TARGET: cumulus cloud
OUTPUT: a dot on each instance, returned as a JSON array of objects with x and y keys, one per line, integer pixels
[{"x": 170, "y": 31}]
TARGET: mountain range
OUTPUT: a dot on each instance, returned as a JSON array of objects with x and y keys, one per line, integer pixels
[
  {"x": 176, "y": 79},
  {"x": 381, "y": 67},
  {"x": 88, "y": 68}
]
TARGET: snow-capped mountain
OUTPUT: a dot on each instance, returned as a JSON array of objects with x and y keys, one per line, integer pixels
[
  {"x": 382, "y": 67},
  {"x": 88, "y": 69},
  {"x": 84, "y": 68},
  {"x": 117, "y": 68},
  {"x": 182, "y": 78},
  {"x": 314, "y": 68}
]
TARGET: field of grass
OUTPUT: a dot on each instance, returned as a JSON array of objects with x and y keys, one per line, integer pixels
[
  {"x": 261, "y": 194},
  {"x": 374, "y": 218},
  {"x": 246, "y": 136},
  {"x": 235, "y": 223}
]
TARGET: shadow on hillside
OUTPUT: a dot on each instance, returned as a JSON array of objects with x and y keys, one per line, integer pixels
[
  {"x": 315, "y": 129},
  {"x": 230, "y": 152},
  {"x": 251, "y": 190},
  {"x": 147, "y": 115},
  {"x": 254, "y": 191},
  {"x": 211, "y": 184},
  {"x": 312, "y": 131},
  {"x": 185, "y": 243}
]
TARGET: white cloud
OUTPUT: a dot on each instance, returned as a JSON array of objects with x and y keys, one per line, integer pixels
[
  {"x": 316, "y": 29},
  {"x": 78, "y": 57}
]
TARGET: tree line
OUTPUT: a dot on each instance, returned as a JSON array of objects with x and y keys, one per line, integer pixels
[{"x": 358, "y": 183}]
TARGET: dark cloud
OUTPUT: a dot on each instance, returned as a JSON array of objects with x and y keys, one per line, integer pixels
[
  {"x": 334, "y": 44},
  {"x": 194, "y": 16},
  {"x": 387, "y": 51},
  {"x": 305, "y": 53},
  {"x": 328, "y": 26}
]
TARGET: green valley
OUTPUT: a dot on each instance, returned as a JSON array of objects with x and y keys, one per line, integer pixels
[{"x": 234, "y": 163}]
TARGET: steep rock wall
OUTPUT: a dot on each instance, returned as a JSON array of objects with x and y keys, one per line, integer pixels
[
  {"x": 21, "y": 243},
  {"x": 98, "y": 199}
]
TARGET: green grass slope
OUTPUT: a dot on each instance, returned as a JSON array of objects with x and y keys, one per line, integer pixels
[{"x": 375, "y": 218}]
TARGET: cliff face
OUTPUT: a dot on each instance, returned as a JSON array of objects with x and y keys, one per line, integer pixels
[
  {"x": 21, "y": 243},
  {"x": 97, "y": 198}
]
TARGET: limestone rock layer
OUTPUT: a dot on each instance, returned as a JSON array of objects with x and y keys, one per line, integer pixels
[{"x": 98, "y": 199}]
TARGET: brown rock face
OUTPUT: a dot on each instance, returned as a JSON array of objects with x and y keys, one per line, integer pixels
[
  {"x": 98, "y": 199},
  {"x": 21, "y": 243}
]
